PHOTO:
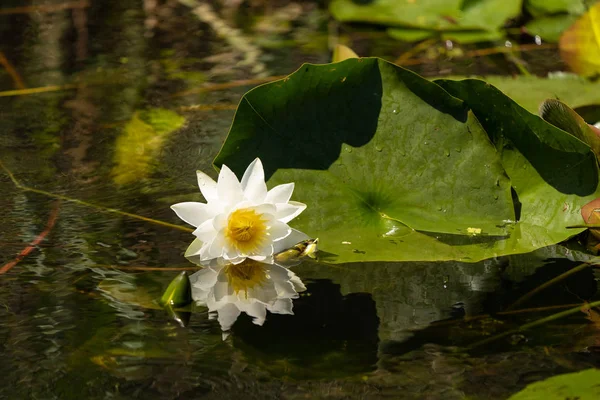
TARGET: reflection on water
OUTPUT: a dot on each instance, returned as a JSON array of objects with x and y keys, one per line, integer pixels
[
  {"x": 79, "y": 315},
  {"x": 250, "y": 287}
]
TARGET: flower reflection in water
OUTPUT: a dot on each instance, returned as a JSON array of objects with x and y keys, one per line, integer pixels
[{"x": 251, "y": 287}]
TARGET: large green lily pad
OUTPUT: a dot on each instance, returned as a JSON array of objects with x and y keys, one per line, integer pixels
[{"x": 393, "y": 168}]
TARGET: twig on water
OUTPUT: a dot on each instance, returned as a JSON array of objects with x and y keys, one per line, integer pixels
[
  {"x": 36, "y": 90},
  {"x": 208, "y": 107},
  {"x": 46, "y": 8},
  {"x": 142, "y": 268},
  {"x": 25, "y": 252},
  {"x": 228, "y": 85},
  {"x": 12, "y": 71}
]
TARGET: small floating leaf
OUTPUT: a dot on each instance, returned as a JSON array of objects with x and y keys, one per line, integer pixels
[
  {"x": 579, "y": 385},
  {"x": 429, "y": 14},
  {"x": 178, "y": 293},
  {"x": 140, "y": 143}
]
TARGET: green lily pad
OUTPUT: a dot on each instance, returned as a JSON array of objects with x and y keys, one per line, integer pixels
[
  {"x": 393, "y": 168},
  {"x": 429, "y": 14},
  {"x": 410, "y": 34},
  {"x": 530, "y": 91},
  {"x": 545, "y": 7},
  {"x": 470, "y": 36},
  {"x": 582, "y": 385},
  {"x": 550, "y": 27},
  {"x": 466, "y": 36}
]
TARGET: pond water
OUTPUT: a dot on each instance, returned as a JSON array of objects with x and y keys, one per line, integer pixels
[{"x": 78, "y": 314}]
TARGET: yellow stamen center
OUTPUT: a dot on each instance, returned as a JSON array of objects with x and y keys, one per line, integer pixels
[
  {"x": 246, "y": 230},
  {"x": 245, "y": 275}
]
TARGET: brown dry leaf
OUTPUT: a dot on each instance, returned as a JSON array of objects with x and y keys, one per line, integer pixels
[
  {"x": 580, "y": 44},
  {"x": 592, "y": 315},
  {"x": 591, "y": 215}
]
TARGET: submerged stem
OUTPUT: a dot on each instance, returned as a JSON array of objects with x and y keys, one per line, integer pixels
[
  {"x": 533, "y": 324},
  {"x": 546, "y": 285},
  {"x": 91, "y": 205}
]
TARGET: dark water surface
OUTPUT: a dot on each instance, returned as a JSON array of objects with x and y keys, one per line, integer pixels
[{"x": 77, "y": 320}]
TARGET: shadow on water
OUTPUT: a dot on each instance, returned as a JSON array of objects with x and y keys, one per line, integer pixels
[{"x": 329, "y": 335}]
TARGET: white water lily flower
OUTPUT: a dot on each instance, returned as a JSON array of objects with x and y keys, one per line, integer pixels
[
  {"x": 251, "y": 287},
  {"x": 240, "y": 219}
]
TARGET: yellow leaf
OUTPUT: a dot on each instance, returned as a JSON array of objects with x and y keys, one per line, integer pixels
[
  {"x": 139, "y": 144},
  {"x": 580, "y": 44},
  {"x": 341, "y": 53}
]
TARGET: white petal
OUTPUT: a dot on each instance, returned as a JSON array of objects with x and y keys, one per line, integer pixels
[
  {"x": 205, "y": 231},
  {"x": 265, "y": 293},
  {"x": 278, "y": 273},
  {"x": 256, "y": 310},
  {"x": 263, "y": 254},
  {"x": 281, "y": 280},
  {"x": 216, "y": 264},
  {"x": 200, "y": 295},
  {"x": 207, "y": 186},
  {"x": 194, "y": 248},
  {"x": 289, "y": 241},
  {"x": 278, "y": 230},
  {"x": 228, "y": 314},
  {"x": 204, "y": 279},
  {"x": 205, "y": 257},
  {"x": 193, "y": 252},
  {"x": 222, "y": 289},
  {"x": 193, "y": 213},
  {"x": 266, "y": 210},
  {"x": 253, "y": 182},
  {"x": 231, "y": 254},
  {"x": 285, "y": 290},
  {"x": 237, "y": 260},
  {"x": 228, "y": 187},
  {"x": 258, "y": 257},
  {"x": 280, "y": 193},
  {"x": 216, "y": 246},
  {"x": 298, "y": 284},
  {"x": 289, "y": 211},
  {"x": 281, "y": 306},
  {"x": 220, "y": 221}
]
